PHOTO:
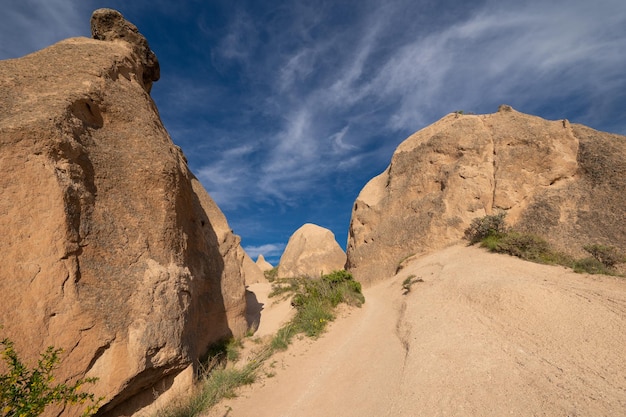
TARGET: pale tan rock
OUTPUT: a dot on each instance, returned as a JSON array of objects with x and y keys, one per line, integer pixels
[
  {"x": 311, "y": 251},
  {"x": 250, "y": 270},
  {"x": 564, "y": 182},
  {"x": 263, "y": 264},
  {"x": 112, "y": 250}
]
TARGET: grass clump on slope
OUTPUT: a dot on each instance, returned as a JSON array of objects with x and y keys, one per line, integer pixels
[
  {"x": 315, "y": 301},
  {"x": 218, "y": 379}
]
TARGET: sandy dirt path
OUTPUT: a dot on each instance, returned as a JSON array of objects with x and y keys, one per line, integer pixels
[{"x": 482, "y": 335}]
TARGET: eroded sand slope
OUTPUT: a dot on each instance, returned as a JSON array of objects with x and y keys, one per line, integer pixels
[{"x": 483, "y": 335}]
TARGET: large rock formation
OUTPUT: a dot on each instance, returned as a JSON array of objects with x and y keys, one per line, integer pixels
[
  {"x": 311, "y": 251},
  {"x": 562, "y": 181},
  {"x": 263, "y": 264},
  {"x": 112, "y": 250}
]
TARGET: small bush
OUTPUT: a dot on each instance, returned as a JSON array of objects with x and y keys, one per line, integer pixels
[
  {"x": 493, "y": 234},
  {"x": 27, "y": 392},
  {"x": 590, "y": 266},
  {"x": 271, "y": 274},
  {"x": 525, "y": 246},
  {"x": 608, "y": 256},
  {"x": 483, "y": 227}
]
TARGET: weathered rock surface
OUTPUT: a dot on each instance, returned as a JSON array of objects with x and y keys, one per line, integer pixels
[
  {"x": 263, "y": 264},
  {"x": 562, "y": 181},
  {"x": 112, "y": 250},
  {"x": 110, "y": 25},
  {"x": 311, "y": 251}
]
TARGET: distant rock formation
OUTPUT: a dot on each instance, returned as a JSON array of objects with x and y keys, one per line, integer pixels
[
  {"x": 252, "y": 274},
  {"x": 263, "y": 264},
  {"x": 562, "y": 181},
  {"x": 311, "y": 251},
  {"x": 111, "y": 248}
]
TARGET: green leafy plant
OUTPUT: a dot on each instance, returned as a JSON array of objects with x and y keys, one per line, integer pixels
[
  {"x": 26, "y": 392},
  {"x": 492, "y": 225},
  {"x": 609, "y": 256}
]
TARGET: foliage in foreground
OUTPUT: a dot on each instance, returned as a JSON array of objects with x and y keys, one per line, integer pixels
[
  {"x": 493, "y": 234},
  {"x": 26, "y": 392},
  {"x": 314, "y": 300}
]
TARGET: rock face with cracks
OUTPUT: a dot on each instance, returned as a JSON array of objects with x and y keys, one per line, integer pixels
[
  {"x": 311, "y": 251},
  {"x": 112, "y": 250},
  {"x": 564, "y": 182}
]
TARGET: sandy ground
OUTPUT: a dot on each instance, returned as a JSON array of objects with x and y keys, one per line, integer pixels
[{"x": 483, "y": 335}]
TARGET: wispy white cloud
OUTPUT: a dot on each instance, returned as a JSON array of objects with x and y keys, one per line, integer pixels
[
  {"x": 322, "y": 82},
  {"x": 269, "y": 250},
  {"x": 30, "y": 25},
  {"x": 239, "y": 42}
]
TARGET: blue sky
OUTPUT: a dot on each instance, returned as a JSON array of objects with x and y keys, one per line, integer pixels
[{"x": 285, "y": 109}]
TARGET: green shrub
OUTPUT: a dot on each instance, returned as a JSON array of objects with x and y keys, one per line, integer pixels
[
  {"x": 271, "y": 274},
  {"x": 493, "y": 234},
  {"x": 525, "y": 246},
  {"x": 26, "y": 392},
  {"x": 483, "y": 227},
  {"x": 590, "y": 266},
  {"x": 608, "y": 256}
]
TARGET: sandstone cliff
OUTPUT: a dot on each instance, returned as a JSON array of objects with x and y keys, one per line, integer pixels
[
  {"x": 562, "y": 181},
  {"x": 311, "y": 251},
  {"x": 112, "y": 250}
]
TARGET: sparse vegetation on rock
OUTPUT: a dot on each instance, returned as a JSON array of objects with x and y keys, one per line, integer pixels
[
  {"x": 492, "y": 233},
  {"x": 609, "y": 256},
  {"x": 408, "y": 283}
]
